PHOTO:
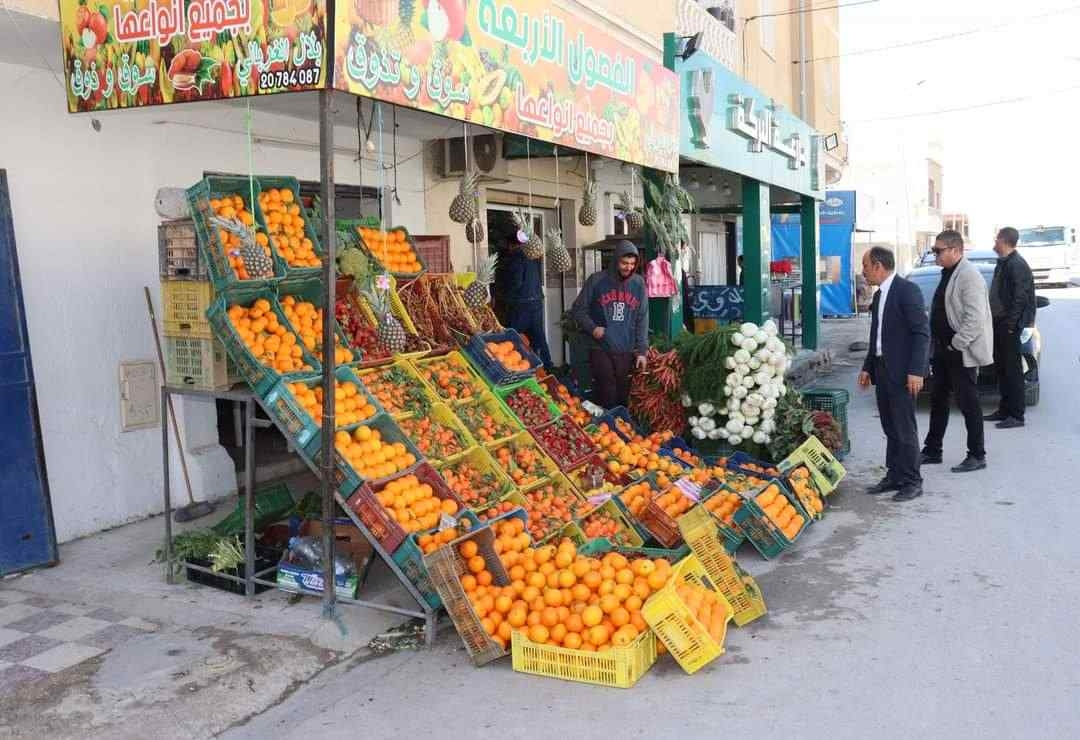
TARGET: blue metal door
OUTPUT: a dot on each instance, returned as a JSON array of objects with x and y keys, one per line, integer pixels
[{"x": 27, "y": 536}]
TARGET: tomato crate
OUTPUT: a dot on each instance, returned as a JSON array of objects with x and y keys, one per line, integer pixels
[
  {"x": 577, "y": 442},
  {"x": 505, "y": 392},
  {"x": 260, "y": 377},
  {"x": 625, "y": 534},
  {"x": 383, "y": 527},
  {"x": 678, "y": 627},
  {"x": 268, "y": 182},
  {"x": 368, "y": 239},
  {"x": 506, "y": 457},
  {"x": 410, "y": 558},
  {"x": 445, "y": 569},
  {"x": 179, "y": 257},
  {"x": 198, "y": 363},
  {"x": 459, "y": 478},
  {"x": 503, "y": 425},
  {"x": 732, "y": 534},
  {"x": 826, "y": 469},
  {"x": 703, "y": 536},
  {"x": 450, "y": 377},
  {"x": 478, "y": 353},
  {"x": 425, "y": 438},
  {"x": 310, "y": 291},
  {"x": 346, "y": 477},
  {"x": 199, "y": 196},
  {"x": 617, "y": 667},
  {"x": 602, "y": 545},
  {"x": 184, "y": 304},
  {"x": 294, "y": 420},
  {"x": 760, "y": 529},
  {"x": 384, "y": 381}
]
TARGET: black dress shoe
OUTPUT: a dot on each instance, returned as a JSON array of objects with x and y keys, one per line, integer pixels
[
  {"x": 908, "y": 492},
  {"x": 883, "y": 486},
  {"x": 929, "y": 458},
  {"x": 996, "y": 416},
  {"x": 970, "y": 464},
  {"x": 1010, "y": 423}
]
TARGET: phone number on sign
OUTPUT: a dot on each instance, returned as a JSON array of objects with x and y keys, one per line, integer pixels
[{"x": 289, "y": 78}]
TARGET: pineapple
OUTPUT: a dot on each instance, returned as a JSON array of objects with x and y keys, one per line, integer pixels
[
  {"x": 635, "y": 222},
  {"x": 256, "y": 260},
  {"x": 391, "y": 334},
  {"x": 587, "y": 213},
  {"x": 557, "y": 253},
  {"x": 474, "y": 231},
  {"x": 534, "y": 245},
  {"x": 463, "y": 207},
  {"x": 477, "y": 294},
  {"x": 403, "y": 35}
]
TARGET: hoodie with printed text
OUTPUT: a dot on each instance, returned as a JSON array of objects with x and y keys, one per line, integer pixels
[{"x": 620, "y": 306}]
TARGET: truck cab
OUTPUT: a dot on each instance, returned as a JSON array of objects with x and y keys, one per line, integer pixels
[{"x": 1050, "y": 251}]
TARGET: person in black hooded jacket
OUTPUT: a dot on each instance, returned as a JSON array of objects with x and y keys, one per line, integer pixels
[{"x": 613, "y": 308}]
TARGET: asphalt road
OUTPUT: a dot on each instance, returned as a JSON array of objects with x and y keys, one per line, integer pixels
[{"x": 950, "y": 616}]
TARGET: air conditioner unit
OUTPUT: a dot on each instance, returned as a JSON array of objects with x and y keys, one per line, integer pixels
[{"x": 484, "y": 157}]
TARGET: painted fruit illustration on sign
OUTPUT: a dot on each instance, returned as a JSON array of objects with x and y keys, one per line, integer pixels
[{"x": 190, "y": 70}]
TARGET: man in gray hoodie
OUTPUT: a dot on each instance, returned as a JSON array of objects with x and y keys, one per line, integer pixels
[{"x": 613, "y": 308}]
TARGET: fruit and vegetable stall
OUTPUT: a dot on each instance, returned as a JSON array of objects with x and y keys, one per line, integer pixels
[{"x": 582, "y": 542}]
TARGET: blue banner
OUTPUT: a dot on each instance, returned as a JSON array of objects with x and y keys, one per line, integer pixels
[{"x": 721, "y": 302}]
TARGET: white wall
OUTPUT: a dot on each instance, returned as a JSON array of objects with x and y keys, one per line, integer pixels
[{"x": 85, "y": 230}]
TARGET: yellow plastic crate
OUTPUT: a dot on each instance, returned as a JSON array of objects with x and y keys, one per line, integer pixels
[
  {"x": 396, "y": 307},
  {"x": 707, "y": 543},
  {"x": 824, "y": 467},
  {"x": 686, "y": 638},
  {"x": 619, "y": 667},
  {"x": 183, "y": 308}
]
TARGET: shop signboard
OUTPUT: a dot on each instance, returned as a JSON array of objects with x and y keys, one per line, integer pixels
[
  {"x": 528, "y": 67},
  {"x": 129, "y": 53},
  {"x": 837, "y": 208},
  {"x": 730, "y": 124}
]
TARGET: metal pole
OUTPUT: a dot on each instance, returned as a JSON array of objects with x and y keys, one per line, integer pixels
[
  {"x": 802, "y": 59},
  {"x": 249, "y": 497},
  {"x": 165, "y": 471},
  {"x": 329, "y": 239}
]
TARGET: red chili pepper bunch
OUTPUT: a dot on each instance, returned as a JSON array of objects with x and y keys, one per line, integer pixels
[{"x": 655, "y": 393}]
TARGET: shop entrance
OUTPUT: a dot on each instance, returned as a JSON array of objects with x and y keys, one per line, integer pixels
[{"x": 501, "y": 232}]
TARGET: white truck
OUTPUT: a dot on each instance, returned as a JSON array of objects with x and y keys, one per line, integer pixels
[{"x": 1051, "y": 252}]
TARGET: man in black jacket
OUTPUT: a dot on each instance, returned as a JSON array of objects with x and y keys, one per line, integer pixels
[
  {"x": 1012, "y": 304},
  {"x": 896, "y": 364}
]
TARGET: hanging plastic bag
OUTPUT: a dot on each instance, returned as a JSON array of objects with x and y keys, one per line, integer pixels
[{"x": 659, "y": 281}]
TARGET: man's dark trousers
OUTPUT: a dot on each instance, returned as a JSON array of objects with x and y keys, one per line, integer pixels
[
  {"x": 610, "y": 377},
  {"x": 950, "y": 376},
  {"x": 1010, "y": 371},
  {"x": 527, "y": 317},
  {"x": 896, "y": 407}
]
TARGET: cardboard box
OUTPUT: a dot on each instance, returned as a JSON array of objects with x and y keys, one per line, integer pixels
[{"x": 348, "y": 540}]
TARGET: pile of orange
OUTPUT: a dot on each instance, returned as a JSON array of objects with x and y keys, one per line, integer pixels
[
  {"x": 483, "y": 425},
  {"x": 641, "y": 456},
  {"x": 550, "y": 507},
  {"x": 780, "y": 511},
  {"x": 392, "y": 249},
  {"x": 272, "y": 343},
  {"x": 570, "y": 404},
  {"x": 450, "y": 379},
  {"x": 723, "y": 506},
  {"x": 558, "y": 597},
  {"x": 307, "y": 319},
  {"x": 232, "y": 206},
  {"x": 432, "y": 541},
  {"x": 637, "y": 496},
  {"x": 706, "y": 606},
  {"x": 804, "y": 488},
  {"x": 370, "y": 455},
  {"x": 522, "y": 463},
  {"x": 602, "y": 524},
  {"x": 674, "y": 502},
  {"x": 506, "y": 354},
  {"x": 413, "y": 504},
  {"x": 285, "y": 224},
  {"x": 351, "y": 406}
]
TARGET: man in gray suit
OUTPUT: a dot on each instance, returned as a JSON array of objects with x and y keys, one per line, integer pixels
[{"x": 962, "y": 340}]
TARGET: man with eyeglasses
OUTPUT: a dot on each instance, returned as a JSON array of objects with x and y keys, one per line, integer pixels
[{"x": 962, "y": 340}]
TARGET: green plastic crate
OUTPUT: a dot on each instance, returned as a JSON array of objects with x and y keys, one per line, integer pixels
[
  {"x": 835, "y": 401},
  {"x": 272, "y": 504},
  {"x": 504, "y": 392},
  {"x": 291, "y": 183}
]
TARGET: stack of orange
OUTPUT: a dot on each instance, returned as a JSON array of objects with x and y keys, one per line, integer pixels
[
  {"x": 570, "y": 404},
  {"x": 521, "y": 462},
  {"x": 370, "y": 455},
  {"x": 706, "y": 607},
  {"x": 307, "y": 319},
  {"x": 450, "y": 379},
  {"x": 432, "y": 541},
  {"x": 506, "y": 354},
  {"x": 392, "y": 249},
  {"x": 637, "y": 496},
  {"x": 483, "y": 424},
  {"x": 724, "y": 505},
  {"x": 285, "y": 223},
  {"x": 350, "y": 405},
  {"x": 602, "y": 524},
  {"x": 780, "y": 511},
  {"x": 804, "y": 488},
  {"x": 232, "y": 206},
  {"x": 272, "y": 343},
  {"x": 674, "y": 502},
  {"x": 640, "y": 457},
  {"x": 413, "y": 504},
  {"x": 557, "y": 597}
]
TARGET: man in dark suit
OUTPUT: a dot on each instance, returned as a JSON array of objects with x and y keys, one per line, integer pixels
[
  {"x": 1012, "y": 304},
  {"x": 895, "y": 365}
]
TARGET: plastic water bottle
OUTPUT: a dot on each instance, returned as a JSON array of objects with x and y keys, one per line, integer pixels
[{"x": 308, "y": 550}]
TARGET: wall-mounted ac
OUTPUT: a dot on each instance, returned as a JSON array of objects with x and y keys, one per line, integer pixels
[{"x": 483, "y": 155}]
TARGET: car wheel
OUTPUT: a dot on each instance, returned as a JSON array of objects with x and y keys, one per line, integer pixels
[{"x": 1031, "y": 394}]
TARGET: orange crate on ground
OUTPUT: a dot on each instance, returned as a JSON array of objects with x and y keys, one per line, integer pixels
[{"x": 703, "y": 536}]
